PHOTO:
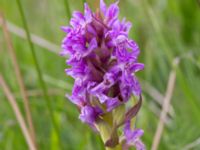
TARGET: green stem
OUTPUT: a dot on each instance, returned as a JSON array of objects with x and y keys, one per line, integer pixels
[
  {"x": 105, "y": 131},
  {"x": 67, "y": 9},
  {"x": 44, "y": 88},
  {"x": 118, "y": 147}
]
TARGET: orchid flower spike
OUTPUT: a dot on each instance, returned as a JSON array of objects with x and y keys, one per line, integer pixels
[{"x": 103, "y": 62}]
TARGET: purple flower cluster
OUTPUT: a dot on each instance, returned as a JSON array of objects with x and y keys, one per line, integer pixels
[{"x": 103, "y": 61}]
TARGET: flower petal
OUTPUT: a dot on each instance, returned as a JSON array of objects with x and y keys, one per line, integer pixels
[{"x": 103, "y": 7}]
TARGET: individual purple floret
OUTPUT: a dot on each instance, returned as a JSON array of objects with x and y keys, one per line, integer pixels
[
  {"x": 133, "y": 137},
  {"x": 103, "y": 63}
]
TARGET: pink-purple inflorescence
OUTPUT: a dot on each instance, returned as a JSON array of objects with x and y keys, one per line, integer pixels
[{"x": 103, "y": 63}]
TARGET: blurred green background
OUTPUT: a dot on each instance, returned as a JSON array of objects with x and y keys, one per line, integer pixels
[{"x": 164, "y": 30}]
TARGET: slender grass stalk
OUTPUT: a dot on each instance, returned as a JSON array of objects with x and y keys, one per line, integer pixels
[
  {"x": 67, "y": 8},
  {"x": 19, "y": 79},
  {"x": 17, "y": 113},
  {"x": 165, "y": 107},
  {"x": 192, "y": 144},
  {"x": 41, "y": 80},
  {"x": 152, "y": 16},
  {"x": 37, "y": 40}
]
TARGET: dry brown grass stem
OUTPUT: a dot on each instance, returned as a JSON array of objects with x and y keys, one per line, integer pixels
[
  {"x": 35, "y": 38},
  {"x": 156, "y": 110},
  {"x": 155, "y": 94},
  {"x": 192, "y": 145},
  {"x": 17, "y": 113},
  {"x": 19, "y": 78},
  {"x": 1, "y": 43},
  {"x": 165, "y": 106},
  {"x": 38, "y": 93}
]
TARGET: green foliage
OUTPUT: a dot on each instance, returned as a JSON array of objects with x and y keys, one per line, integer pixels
[{"x": 164, "y": 29}]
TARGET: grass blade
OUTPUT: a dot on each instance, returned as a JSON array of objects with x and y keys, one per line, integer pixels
[
  {"x": 17, "y": 112},
  {"x": 44, "y": 88},
  {"x": 166, "y": 106},
  {"x": 19, "y": 79},
  {"x": 67, "y": 9}
]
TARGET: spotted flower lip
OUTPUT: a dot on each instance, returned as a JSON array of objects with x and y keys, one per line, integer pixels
[{"x": 103, "y": 61}]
